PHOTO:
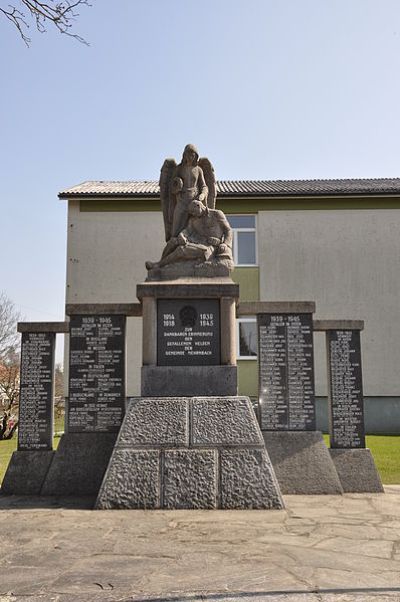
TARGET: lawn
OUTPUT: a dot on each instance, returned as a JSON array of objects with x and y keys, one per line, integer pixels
[
  {"x": 385, "y": 449},
  {"x": 386, "y": 452}
]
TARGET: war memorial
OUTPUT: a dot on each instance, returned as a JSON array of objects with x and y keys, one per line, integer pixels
[{"x": 189, "y": 441}]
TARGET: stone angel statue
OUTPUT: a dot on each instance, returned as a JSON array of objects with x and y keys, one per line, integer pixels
[{"x": 192, "y": 180}]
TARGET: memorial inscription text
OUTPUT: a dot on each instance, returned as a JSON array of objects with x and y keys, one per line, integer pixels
[
  {"x": 188, "y": 332},
  {"x": 35, "y": 428},
  {"x": 286, "y": 372},
  {"x": 96, "y": 373},
  {"x": 346, "y": 402}
]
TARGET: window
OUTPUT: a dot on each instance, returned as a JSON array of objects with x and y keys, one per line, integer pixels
[
  {"x": 247, "y": 344},
  {"x": 244, "y": 239}
]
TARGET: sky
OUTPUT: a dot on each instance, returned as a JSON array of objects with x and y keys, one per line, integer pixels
[{"x": 267, "y": 89}]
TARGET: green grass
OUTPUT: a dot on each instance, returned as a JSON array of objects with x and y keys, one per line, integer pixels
[{"x": 386, "y": 452}]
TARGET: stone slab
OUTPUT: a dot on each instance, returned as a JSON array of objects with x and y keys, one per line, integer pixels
[
  {"x": 189, "y": 269},
  {"x": 302, "y": 463},
  {"x": 323, "y": 325},
  {"x": 286, "y": 372},
  {"x": 248, "y": 480},
  {"x": 190, "y": 479},
  {"x": 26, "y": 472},
  {"x": 79, "y": 464},
  {"x": 36, "y": 406},
  {"x": 188, "y": 332},
  {"x": 124, "y": 309},
  {"x": 43, "y": 327},
  {"x": 223, "y": 422},
  {"x": 96, "y": 375},
  {"x": 133, "y": 481},
  {"x": 345, "y": 389},
  {"x": 207, "y": 288},
  {"x": 251, "y": 308},
  {"x": 357, "y": 471},
  {"x": 156, "y": 422},
  {"x": 186, "y": 381}
]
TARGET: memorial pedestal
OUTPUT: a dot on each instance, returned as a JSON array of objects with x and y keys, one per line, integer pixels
[
  {"x": 26, "y": 472},
  {"x": 190, "y": 452},
  {"x": 189, "y": 337},
  {"x": 357, "y": 471},
  {"x": 79, "y": 464},
  {"x": 302, "y": 462}
]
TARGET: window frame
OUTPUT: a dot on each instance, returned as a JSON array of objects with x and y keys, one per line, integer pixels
[
  {"x": 247, "y": 319},
  {"x": 235, "y": 232}
]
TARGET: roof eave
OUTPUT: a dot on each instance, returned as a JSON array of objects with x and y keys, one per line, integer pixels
[{"x": 227, "y": 195}]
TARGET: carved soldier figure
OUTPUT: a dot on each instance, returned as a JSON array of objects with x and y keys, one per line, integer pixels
[
  {"x": 198, "y": 236},
  {"x": 207, "y": 238}
]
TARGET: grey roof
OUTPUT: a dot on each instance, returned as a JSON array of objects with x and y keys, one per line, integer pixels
[{"x": 230, "y": 188}]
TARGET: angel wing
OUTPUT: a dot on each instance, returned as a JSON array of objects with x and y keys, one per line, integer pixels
[
  {"x": 209, "y": 177},
  {"x": 168, "y": 199}
]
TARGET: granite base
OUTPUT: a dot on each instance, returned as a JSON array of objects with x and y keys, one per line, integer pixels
[
  {"x": 26, "y": 472},
  {"x": 189, "y": 452},
  {"x": 357, "y": 471},
  {"x": 302, "y": 462},
  {"x": 79, "y": 464}
]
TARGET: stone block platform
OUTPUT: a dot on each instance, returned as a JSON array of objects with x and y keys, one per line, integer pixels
[
  {"x": 190, "y": 452},
  {"x": 357, "y": 471},
  {"x": 302, "y": 463}
]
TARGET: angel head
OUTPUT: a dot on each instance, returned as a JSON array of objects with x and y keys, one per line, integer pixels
[{"x": 190, "y": 154}]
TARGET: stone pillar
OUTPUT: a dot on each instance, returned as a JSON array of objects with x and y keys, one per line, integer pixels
[
  {"x": 286, "y": 397},
  {"x": 354, "y": 463},
  {"x": 96, "y": 403},
  {"x": 149, "y": 345},
  {"x": 29, "y": 465},
  {"x": 189, "y": 337}
]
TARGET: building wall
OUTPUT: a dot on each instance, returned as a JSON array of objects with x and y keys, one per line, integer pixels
[
  {"x": 348, "y": 262},
  {"x": 106, "y": 254},
  {"x": 345, "y": 260}
]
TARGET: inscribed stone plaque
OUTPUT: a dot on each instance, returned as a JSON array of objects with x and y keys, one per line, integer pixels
[
  {"x": 188, "y": 332},
  {"x": 35, "y": 428},
  {"x": 96, "y": 373},
  {"x": 346, "y": 402},
  {"x": 286, "y": 372}
]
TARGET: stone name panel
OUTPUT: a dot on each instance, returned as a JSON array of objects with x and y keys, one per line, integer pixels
[
  {"x": 35, "y": 428},
  {"x": 286, "y": 372},
  {"x": 188, "y": 332},
  {"x": 96, "y": 373},
  {"x": 346, "y": 404}
]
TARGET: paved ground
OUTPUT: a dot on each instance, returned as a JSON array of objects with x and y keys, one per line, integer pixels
[{"x": 321, "y": 548}]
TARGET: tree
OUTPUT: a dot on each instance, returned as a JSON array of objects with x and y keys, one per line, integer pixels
[
  {"x": 9, "y": 367},
  {"x": 61, "y": 15},
  {"x": 9, "y": 396},
  {"x": 9, "y": 316},
  {"x": 59, "y": 400}
]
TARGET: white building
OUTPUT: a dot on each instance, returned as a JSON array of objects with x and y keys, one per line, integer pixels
[{"x": 335, "y": 242}]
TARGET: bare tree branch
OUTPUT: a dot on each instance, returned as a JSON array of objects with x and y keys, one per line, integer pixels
[
  {"x": 60, "y": 14},
  {"x": 9, "y": 397},
  {"x": 9, "y": 316}
]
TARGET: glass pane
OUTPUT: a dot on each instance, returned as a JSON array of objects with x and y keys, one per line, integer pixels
[
  {"x": 247, "y": 339},
  {"x": 246, "y": 252},
  {"x": 242, "y": 221}
]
